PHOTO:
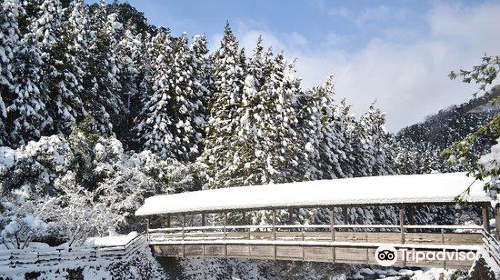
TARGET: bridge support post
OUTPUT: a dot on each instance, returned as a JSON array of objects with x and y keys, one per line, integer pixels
[
  {"x": 274, "y": 232},
  {"x": 225, "y": 233},
  {"x": 202, "y": 219},
  {"x": 168, "y": 220},
  {"x": 224, "y": 225},
  {"x": 346, "y": 216},
  {"x": 402, "y": 222},
  {"x": 183, "y": 221},
  {"x": 332, "y": 229},
  {"x": 332, "y": 222},
  {"x": 411, "y": 215},
  {"x": 274, "y": 224},
  {"x": 486, "y": 217},
  {"x": 497, "y": 221},
  {"x": 183, "y": 235},
  {"x": 147, "y": 229}
]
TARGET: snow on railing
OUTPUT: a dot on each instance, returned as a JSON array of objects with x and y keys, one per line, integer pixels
[
  {"x": 19, "y": 258},
  {"x": 361, "y": 227},
  {"x": 302, "y": 232},
  {"x": 491, "y": 247}
]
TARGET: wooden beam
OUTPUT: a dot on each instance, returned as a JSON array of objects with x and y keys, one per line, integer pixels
[
  {"x": 183, "y": 225},
  {"x": 274, "y": 224},
  {"x": 332, "y": 222},
  {"x": 402, "y": 222},
  {"x": 411, "y": 217},
  {"x": 346, "y": 215},
  {"x": 147, "y": 229},
  {"x": 486, "y": 216},
  {"x": 497, "y": 221},
  {"x": 225, "y": 233},
  {"x": 225, "y": 224},
  {"x": 168, "y": 221}
]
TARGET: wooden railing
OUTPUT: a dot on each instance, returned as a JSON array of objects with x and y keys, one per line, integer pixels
[
  {"x": 24, "y": 258},
  {"x": 491, "y": 247},
  {"x": 427, "y": 234}
]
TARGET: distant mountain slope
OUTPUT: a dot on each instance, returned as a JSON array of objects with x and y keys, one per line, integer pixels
[{"x": 453, "y": 123}]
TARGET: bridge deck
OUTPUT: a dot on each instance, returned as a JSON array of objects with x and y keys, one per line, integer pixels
[{"x": 315, "y": 246}]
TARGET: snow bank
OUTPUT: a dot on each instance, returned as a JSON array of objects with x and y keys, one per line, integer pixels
[
  {"x": 428, "y": 188},
  {"x": 116, "y": 240}
]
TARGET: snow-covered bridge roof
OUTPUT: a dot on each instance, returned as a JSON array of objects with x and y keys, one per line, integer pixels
[{"x": 380, "y": 190}]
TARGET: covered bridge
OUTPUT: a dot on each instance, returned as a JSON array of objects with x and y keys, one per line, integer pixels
[{"x": 223, "y": 227}]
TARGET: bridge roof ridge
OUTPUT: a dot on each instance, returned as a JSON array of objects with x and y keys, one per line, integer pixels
[{"x": 440, "y": 188}]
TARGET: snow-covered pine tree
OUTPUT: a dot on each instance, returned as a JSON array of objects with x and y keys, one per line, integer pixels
[
  {"x": 154, "y": 123},
  {"x": 256, "y": 64},
  {"x": 61, "y": 70},
  {"x": 375, "y": 147},
  {"x": 202, "y": 87},
  {"x": 324, "y": 131},
  {"x": 247, "y": 157},
  {"x": 103, "y": 100},
  {"x": 276, "y": 123},
  {"x": 27, "y": 116},
  {"x": 417, "y": 158},
  {"x": 185, "y": 103},
  {"x": 47, "y": 22},
  {"x": 9, "y": 41},
  {"x": 346, "y": 121},
  {"x": 131, "y": 55},
  {"x": 288, "y": 121},
  {"x": 228, "y": 85}
]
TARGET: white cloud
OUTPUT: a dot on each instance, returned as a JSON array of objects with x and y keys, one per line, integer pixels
[
  {"x": 297, "y": 40},
  {"x": 408, "y": 78},
  {"x": 340, "y": 11},
  {"x": 335, "y": 40},
  {"x": 373, "y": 14}
]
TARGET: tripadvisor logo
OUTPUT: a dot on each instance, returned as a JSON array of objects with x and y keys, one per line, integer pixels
[{"x": 387, "y": 255}]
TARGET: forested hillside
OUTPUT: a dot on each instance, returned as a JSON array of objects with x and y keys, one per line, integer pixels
[
  {"x": 453, "y": 123},
  {"x": 64, "y": 62},
  {"x": 100, "y": 109}
]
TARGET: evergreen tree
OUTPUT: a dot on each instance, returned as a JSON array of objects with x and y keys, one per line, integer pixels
[
  {"x": 256, "y": 64},
  {"x": 131, "y": 57},
  {"x": 276, "y": 123},
  {"x": 154, "y": 124},
  {"x": 103, "y": 100},
  {"x": 62, "y": 71},
  {"x": 372, "y": 144},
  {"x": 202, "y": 87},
  {"x": 27, "y": 115},
  {"x": 325, "y": 134},
  {"x": 47, "y": 22},
  {"x": 247, "y": 170},
  {"x": 9, "y": 41},
  {"x": 185, "y": 103},
  {"x": 228, "y": 85}
]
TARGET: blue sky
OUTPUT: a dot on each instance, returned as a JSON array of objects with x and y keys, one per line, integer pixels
[{"x": 395, "y": 52}]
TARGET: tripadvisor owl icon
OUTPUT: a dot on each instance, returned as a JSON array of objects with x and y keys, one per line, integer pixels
[{"x": 386, "y": 255}]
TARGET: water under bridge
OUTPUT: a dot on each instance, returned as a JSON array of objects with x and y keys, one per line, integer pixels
[{"x": 221, "y": 223}]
